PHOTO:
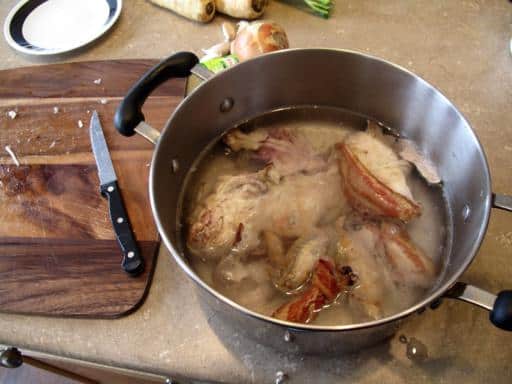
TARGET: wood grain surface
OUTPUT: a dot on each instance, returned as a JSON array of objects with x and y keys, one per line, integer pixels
[{"x": 58, "y": 253}]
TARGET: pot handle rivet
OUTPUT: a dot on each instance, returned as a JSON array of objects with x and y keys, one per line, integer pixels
[
  {"x": 227, "y": 104},
  {"x": 466, "y": 212},
  {"x": 281, "y": 377},
  {"x": 288, "y": 337}
]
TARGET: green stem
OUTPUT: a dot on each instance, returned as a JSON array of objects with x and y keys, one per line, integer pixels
[{"x": 320, "y": 6}]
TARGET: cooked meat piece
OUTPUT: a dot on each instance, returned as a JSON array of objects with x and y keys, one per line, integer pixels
[
  {"x": 410, "y": 266},
  {"x": 361, "y": 249},
  {"x": 303, "y": 256},
  {"x": 286, "y": 150},
  {"x": 250, "y": 200},
  {"x": 326, "y": 285},
  {"x": 373, "y": 178},
  {"x": 224, "y": 219}
]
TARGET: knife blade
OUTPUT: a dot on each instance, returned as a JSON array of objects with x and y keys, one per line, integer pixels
[{"x": 132, "y": 261}]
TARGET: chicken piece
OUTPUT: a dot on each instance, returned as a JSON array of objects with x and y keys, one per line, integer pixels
[
  {"x": 223, "y": 220},
  {"x": 360, "y": 249},
  {"x": 409, "y": 265},
  {"x": 243, "y": 206},
  {"x": 326, "y": 284},
  {"x": 275, "y": 250},
  {"x": 286, "y": 150},
  {"x": 300, "y": 203},
  {"x": 252, "y": 141},
  {"x": 374, "y": 181},
  {"x": 303, "y": 256}
]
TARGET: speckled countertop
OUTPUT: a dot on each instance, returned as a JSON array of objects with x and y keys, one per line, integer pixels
[{"x": 462, "y": 47}]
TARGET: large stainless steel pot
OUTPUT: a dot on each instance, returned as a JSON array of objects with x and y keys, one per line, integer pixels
[{"x": 334, "y": 78}]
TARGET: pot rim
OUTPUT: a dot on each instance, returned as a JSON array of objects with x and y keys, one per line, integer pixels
[{"x": 434, "y": 294}]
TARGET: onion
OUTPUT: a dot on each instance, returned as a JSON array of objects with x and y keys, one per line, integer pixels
[{"x": 257, "y": 38}]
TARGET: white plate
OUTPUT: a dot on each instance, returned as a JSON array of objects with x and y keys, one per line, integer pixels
[{"x": 52, "y": 27}]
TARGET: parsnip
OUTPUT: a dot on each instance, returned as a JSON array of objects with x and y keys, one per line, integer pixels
[
  {"x": 198, "y": 10},
  {"x": 243, "y": 9}
]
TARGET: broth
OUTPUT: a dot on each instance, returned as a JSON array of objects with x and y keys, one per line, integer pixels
[{"x": 246, "y": 275}]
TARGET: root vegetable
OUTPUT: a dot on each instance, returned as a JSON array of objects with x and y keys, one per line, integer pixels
[
  {"x": 257, "y": 38},
  {"x": 198, "y": 10},
  {"x": 242, "y": 9}
]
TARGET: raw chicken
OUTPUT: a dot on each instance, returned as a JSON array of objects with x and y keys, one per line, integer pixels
[
  {"x": 374, "y": 180},
  {"x": 243, "y": 206},
  {"x": 286, "y": 150},
  {"x": 326, "y": 284}
]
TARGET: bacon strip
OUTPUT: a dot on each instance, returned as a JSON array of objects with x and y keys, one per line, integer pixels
[
  {"x": 326, "y": 284},
  {"x": 367, "y": 194}
]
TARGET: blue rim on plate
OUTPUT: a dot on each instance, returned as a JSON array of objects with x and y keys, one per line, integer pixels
[{"x": 13, "y": 28}]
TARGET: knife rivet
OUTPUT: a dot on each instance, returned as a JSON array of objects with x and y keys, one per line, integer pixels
[
  {"x": 110, "y": 189},
  {"x": 130, "y": 254},
  {"x": 120, "y": 220}
]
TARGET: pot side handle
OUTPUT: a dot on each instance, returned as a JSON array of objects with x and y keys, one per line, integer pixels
[
  {"x": 502, "y": 202},
  {"x": 129, "y": 114},
  {"x": 500, "y": 306}
]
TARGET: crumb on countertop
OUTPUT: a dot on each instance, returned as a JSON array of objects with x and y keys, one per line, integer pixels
[{"x": 13, "y": 155}]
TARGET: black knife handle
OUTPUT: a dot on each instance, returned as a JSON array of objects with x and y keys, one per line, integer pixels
[{"x": 132, "y": 259}]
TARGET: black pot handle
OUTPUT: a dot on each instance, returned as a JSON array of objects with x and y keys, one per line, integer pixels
[
  {"x": 501, "y": 314},
  {"x": 129, "y": 113},
  {"x": 500, "y": 306}
]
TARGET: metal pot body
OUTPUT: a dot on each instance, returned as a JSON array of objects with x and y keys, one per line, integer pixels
[
  {"x": 331, "y": 78},
  {"x": 229, "y": 321}
]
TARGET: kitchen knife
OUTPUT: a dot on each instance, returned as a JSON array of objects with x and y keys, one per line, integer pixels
[{"x": 132, "y": 260}]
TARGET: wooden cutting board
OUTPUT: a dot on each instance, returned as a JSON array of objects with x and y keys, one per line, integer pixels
[{"x": 58, "y": 253}]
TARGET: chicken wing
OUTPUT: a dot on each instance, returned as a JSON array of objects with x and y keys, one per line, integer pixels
[{"x": 373, "y": 177}]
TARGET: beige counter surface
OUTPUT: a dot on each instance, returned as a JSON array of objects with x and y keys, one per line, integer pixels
[{"x": 463, "y": 48}]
